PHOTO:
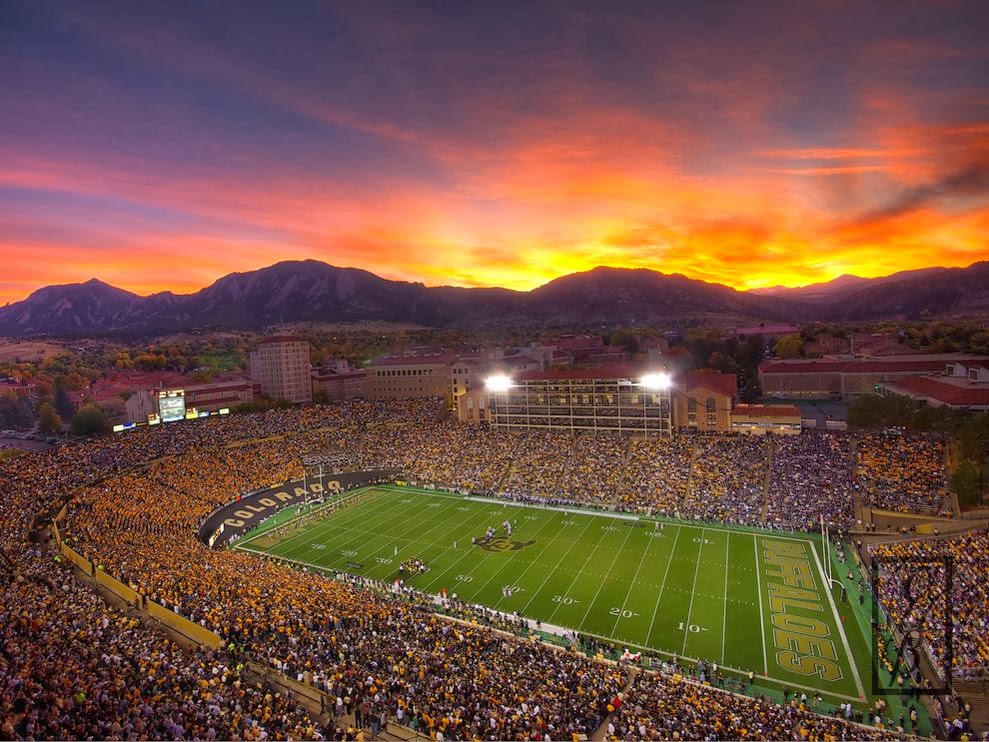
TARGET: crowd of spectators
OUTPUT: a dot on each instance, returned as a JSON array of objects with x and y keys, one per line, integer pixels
[
  {"x": 811, "y": 476},
  {"x": 664, "y": 707},
  {"x": 657, "y": 471},
  {"x": 913, "y": 585},
  {"x": 728, "y": 479},
  {"x": 71, "y": 666},
  {"x": 900, "y": 471}
]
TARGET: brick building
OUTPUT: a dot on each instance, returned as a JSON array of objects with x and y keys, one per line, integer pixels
[{"x": 280, "y": 364}]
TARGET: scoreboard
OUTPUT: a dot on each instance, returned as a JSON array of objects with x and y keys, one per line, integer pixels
[{"x": 171, "y": 405}]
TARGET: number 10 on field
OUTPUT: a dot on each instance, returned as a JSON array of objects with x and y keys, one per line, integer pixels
[{"x": 692, "y": 628}]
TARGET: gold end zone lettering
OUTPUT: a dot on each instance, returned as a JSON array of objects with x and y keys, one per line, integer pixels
[
  {"x": 779, "y": 605},
  {"x": 785, "y": 547},
  {"x": 795, "y": 572},
  {"x": 804, "y": 644},
  {"x": 793, "y": 593},
  {"x": 283, "y": 496},
  {"x": 808, "y": 665}
]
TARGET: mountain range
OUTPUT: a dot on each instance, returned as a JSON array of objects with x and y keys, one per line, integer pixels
[{"x": 310, "y": 290}]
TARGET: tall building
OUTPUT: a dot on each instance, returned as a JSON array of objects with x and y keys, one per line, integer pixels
[{"x": 280, "y": 364}]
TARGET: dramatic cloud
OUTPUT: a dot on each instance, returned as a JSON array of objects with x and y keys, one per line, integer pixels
[{"x": 159, "y": 146}]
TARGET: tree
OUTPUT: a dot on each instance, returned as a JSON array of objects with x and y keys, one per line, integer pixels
[
  {"x": 15, "y": 411},
  {"x": 48, "y": 419},
  {"x": 89, "y": 420},
  {"x": 63, "y": 403},
  {"x": 788, "y": 346},
  {"x": 967, "y": 483}
]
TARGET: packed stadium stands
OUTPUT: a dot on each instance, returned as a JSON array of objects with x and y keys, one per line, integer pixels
[{"x": 72, "y": 666}]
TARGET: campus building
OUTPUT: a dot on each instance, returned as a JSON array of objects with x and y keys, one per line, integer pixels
[
  {"x": 704, "y": 401},
  {"x": 411, "y": 376},
  {"x": 280, "y": 364},
  {"x": 850, "y": 377},
  {"x": 339, "y": 385},
  {"x": 963, "y": 385}
]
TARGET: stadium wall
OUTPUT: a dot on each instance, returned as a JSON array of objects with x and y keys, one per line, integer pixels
[
  {"x": 122, "y": 591},
  {"x": 293, "y": 688},
  {"x": 184, "y": 626},
  {"x": 77, "y": 559}
]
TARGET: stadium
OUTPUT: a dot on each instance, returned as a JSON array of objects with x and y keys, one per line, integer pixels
[{"x": 377, "y": 569}]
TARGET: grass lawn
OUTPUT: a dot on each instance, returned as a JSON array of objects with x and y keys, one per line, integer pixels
[{"x": 746, "y": 599}]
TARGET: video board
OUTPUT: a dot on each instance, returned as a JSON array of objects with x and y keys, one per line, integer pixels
[{"x": 171, "y": 405}]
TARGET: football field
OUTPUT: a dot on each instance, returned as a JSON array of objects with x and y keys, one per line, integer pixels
[{"x": 746, "y": 599}]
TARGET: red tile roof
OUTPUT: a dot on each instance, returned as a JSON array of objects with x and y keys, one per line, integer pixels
[
  {"x": 945, "y": 392},
  {"x": 716, "y": 381}
]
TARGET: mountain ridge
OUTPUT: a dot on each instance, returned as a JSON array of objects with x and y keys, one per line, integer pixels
[{"x": 311, "y": 290}]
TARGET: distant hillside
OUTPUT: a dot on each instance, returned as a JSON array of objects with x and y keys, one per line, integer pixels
[
  {"x": 926, "y": 293},
  {"x": 309, "y": 290},
  {"x": 840, "y": 286}
]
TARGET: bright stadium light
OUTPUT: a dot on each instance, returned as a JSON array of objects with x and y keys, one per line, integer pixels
[
  {"x": 656, "y": 381},
  {"x": 498, "y": 383}
]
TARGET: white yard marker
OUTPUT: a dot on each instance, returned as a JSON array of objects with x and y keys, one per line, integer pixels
[{"x": 762, "y": 617}]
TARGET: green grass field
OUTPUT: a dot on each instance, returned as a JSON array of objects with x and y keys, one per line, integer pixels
[{"x": 671, "y": 588}]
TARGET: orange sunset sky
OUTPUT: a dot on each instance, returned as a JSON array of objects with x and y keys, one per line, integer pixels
[{"x": 161, "y": 146}]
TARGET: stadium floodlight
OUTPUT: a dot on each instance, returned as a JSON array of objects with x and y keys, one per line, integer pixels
[
  {"x": 498, "y": 383},
  {"x": 656, "y": 381}
]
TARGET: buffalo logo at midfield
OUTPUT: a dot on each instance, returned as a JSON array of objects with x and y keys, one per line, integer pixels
[{"x": 505, "y": 544}]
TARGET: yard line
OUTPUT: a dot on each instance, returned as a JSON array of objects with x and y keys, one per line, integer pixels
[
  {"x": 382, "y": 513},
  {"x": 449, "y": 512},
  {"x": 837, "y": 619},
  {"x": 576, "y": 577},
  {"x": 327, "y": 526},
  {"x": 373, "y": 497},
  {"x": 693, "y": 592},
  {"x": 762, "y": 618},
  {"x": 631, "y": 587},
  {"x": 553, "y": 572},
  {"x": 662, "y": 587},
  {"x": 467, "y": 552},
  {"x": 724, "y": 618},
  {"x": 372, "y": 534},
  {"x": 601, "y": 584}
]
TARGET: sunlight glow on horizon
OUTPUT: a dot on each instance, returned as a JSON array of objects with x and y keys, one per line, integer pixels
[{"x": 162, "y": 156}]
